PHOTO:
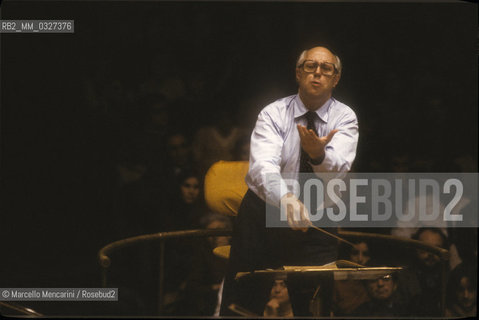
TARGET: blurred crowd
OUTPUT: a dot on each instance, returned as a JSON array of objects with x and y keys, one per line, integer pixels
[
  {"x": 157, "y": 152},
  {"x": 415, "y": 291}
]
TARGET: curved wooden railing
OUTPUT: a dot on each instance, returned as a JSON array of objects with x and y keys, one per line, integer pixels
[
  {"x": 103, "y": 254},
  {"x": 442, "y": 253},
  {"x": 162, "y": 237}
]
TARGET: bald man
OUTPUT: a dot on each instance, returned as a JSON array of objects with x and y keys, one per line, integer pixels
[{"x": 306, "y": 132}]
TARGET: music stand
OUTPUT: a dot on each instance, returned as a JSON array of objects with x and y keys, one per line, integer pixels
[{"x": 341, "y": 270}]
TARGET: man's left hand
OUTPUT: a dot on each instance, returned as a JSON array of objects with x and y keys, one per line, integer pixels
[{"x": 312, "y": 144}]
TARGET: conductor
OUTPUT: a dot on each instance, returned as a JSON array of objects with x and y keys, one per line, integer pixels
[{"x": 306, "y": 132}]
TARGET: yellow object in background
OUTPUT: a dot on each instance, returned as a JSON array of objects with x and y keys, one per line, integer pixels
[
  {"x": 225, "y": 186},
  {"x": 222, "y": 251}
]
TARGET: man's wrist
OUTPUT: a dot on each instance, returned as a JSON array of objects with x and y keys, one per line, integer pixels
[{"x": 318, "y": 160}]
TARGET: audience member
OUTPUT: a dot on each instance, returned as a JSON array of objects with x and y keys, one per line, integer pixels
[
  {"x": 186, "y": 206},
  {"x": 428, "y": 270},
  {"x": 350, "y": 294},
  {"x": 461, "y": 295},
  {"x": 216, "y": 142},
  {"x": 205, "y": 279},
  {"x": 384, "y": 299},
  {"x": 407, "y": 228},
  {"x": 179, "y": 155},
  {"x": 133, "y": 204},
  {"x": 465, "y": 239},
  {"x": 241, "y": 149},
  {"x": 360, "y": 253},
  {"x": 279, "y": 304},
  {"x": 183, "y": 212}
]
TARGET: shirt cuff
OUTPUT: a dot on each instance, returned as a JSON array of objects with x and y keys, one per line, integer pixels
[{"x": 325, "y": 165}]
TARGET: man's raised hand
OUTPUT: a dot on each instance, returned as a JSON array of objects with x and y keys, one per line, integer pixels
[{"x": 312, "y": 144}]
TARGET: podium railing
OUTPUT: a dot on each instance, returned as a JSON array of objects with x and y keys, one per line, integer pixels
[{"x": 161, "y": 237}]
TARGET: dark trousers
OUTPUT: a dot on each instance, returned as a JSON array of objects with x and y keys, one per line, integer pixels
[{"x": 255, "y": 247}]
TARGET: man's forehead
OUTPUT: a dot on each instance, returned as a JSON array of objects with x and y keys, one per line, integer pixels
[
  {"x": 320, "y": 54},
  {"x": 430, "y": 237}
]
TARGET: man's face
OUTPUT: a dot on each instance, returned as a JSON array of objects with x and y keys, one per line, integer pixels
[
  {"x": 382, "y": 288},
  {"x": 279, "y": 291},
  {"x": 431, "y": 238},
  {"x": 360, "y": 253},
  {"x": 466, "y": 294},
  {"x": 190, "y": 190},
  {"x": 314, "y": 84}
]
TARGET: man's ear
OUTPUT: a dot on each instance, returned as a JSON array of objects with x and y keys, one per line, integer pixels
[
  {"x": 298, "y": 74},
  {"x": 336, "y": 80}
]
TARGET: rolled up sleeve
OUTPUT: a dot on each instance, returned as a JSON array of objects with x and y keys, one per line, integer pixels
[{"x": 264, "y": 176}]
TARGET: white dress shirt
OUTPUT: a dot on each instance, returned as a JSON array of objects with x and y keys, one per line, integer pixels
[{"x": 276, "y": 147}]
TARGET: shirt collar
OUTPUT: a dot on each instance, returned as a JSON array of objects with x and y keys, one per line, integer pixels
[{"x": 322, "y": 112}]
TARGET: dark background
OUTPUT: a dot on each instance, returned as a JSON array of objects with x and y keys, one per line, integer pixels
[{"x": 410, "y": 73}]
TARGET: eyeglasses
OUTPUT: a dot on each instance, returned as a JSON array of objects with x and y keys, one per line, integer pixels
[
  {"x": 387, "y": 277},
  {"x": 326, "y": 68}
]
